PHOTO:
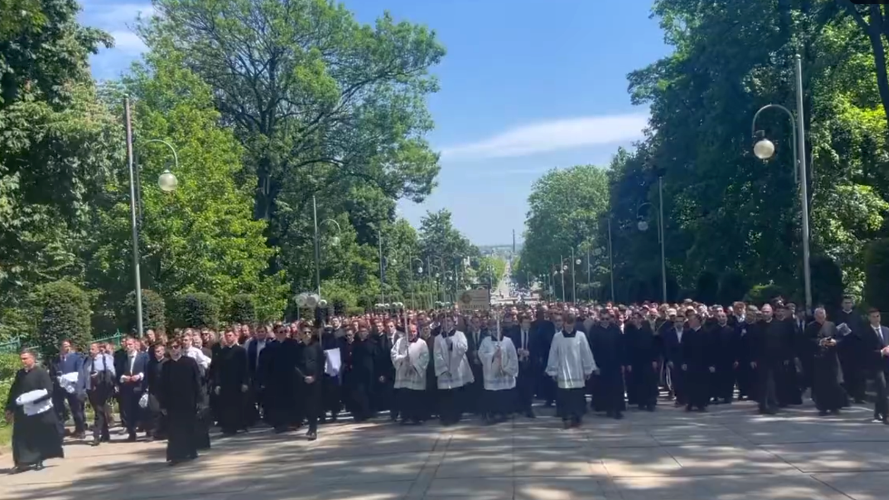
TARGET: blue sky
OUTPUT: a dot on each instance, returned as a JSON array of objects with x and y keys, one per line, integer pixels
[{"x": 527, "y": 85}]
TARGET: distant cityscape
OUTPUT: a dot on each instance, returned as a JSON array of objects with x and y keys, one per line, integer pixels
[{"x": 504, "y": 251}]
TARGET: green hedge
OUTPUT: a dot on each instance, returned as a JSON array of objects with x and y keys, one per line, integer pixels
[
  {"x": 876, "y": 270},
  {"x": 242, "y": 309},
  {"x": 65, "y": 315},
  {"x": 760, "y": 294},
  {"x": 153, "y": 311},
  {"x": 196, "y": 310}
]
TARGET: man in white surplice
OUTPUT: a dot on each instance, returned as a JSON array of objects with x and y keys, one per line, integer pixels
[
  {"x": 570, "y": 363},
  {"x": 410, "y": 356},
  {"x": 452, "y": 371},
  {"x": 500, "y": 364}
]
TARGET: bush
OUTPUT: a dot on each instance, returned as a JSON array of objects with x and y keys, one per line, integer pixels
[
  {"x": 242, "y": 309},
  {"x": 65, "y": 315},
  {"x": 760, "y": 294},
  {"x": 827, "y": 283},
  {"x": 707, "y": 287},
  {"x": 876, "y": 270},
  {"x": 732, "y": 287},
  {"x": 153, "y": 311},
  {"x": 196, "y": 310}
]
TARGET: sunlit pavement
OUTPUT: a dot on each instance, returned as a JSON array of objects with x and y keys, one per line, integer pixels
[{"x": 727, "y": 453}]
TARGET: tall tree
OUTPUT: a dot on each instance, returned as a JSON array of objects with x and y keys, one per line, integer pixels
[{"x": 321, "y": 103}]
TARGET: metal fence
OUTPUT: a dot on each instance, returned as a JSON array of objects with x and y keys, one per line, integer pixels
[{"x": 15, "y": 344}]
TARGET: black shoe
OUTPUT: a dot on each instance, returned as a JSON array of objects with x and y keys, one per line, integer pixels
[
  {"x": 566, "y": 424},
  {"x": 650, "y": 408},
  {"x": 95, "y": 442},
  {"x": 822, "y": 413},
  {"x": 618, "y": 416},
  {"x": 530, "y": 414},
  {"x": 312, "y": 436},
  {"x": 131, "y": 438},
  {"x": 859, "y": 401},
  {"x": 38, "y": 466},
  {"x": 689, "y": 408}
]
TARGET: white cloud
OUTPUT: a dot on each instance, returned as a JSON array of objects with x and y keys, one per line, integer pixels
[
  {"x": 110, "y": 15},
  {"x": 561, "y": 134},
  {"x": 128, "y": 42}
]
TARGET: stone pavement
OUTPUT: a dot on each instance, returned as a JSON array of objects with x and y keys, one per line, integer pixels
[{"x": 729, "y": 453}]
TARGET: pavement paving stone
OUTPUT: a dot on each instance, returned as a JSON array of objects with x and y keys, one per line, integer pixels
[{"x": 729, "y": 453}]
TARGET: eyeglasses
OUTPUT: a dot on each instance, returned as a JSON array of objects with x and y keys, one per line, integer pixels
[{"x": 175, "y": 346}]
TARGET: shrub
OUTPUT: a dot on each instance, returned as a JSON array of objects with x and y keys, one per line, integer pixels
[
  {"x": 196, "y": 310},
  {"x": 732, "y": 287},
  {"x": 707, "y": 287},
  {"x": 760, "y": 294},
  {"x": 242, "y": 309},
  {"x": 65, "y": 315},
  {"x": 827, "y": 283},
  {"x": 153, "y": 311},
  {"x": 876, "y": 270}
]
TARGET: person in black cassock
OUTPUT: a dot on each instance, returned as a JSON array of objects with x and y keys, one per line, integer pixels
[
  {"x": 360, "y": 373},
  {"x": 309, "y": 370},
  {"x": 35, "y": 437},
  {"x": 726, "y": 356},
  {"x": 697, "y": 363},
  {"x": 543, "y": 331},
  {"x": 822, "y": 341},
  {"x": 277, "y": 368},
  {"x": 331, "y": 384},
  {"x": 528, "y": 359},
  {"x": 642, "y": 356},
  {"x": 384, "y": 371},
  {"x": 181, "y": 397},
  {"x": 607, "y": 345},
  {"x": 230, "y": 384}
]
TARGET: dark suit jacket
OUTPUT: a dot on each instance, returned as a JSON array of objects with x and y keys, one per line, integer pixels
[
  {"x": 673, "y": 347},
  {"x": 140, "y": 365},
  {"x": 870, "y": 345}
]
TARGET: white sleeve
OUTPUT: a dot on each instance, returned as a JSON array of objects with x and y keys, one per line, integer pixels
[
  {"x": 586, "y": 355},
  {"x": 552, "y": 363}
]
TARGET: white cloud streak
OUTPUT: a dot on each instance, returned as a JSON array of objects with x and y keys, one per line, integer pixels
[
  {"x": 128, "y": 42},
  {"x": 555, "y": 135}
]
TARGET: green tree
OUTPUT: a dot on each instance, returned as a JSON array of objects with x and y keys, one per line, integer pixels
[
  {"x": 65, "y": 316},
  {"x": 322, "y": 105},
  {"x": 201, "y": 237},
  {"x": 565, "y": 210}
]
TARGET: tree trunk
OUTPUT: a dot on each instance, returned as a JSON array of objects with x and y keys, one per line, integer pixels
[{"x": 875, "y": 34}]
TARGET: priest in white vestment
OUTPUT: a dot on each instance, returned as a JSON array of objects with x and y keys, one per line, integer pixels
[
  {"x": 500, "y": 364},
  {"x": 570, "y": 363},
  {"x": 410, "y": 356},
  {"x": 452, "y": 371}
]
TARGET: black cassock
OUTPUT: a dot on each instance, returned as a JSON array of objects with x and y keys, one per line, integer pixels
[
  {"x": 726, "y": 352},
  {"x": 35, "y": 438},
  {"x": 384, "y": 392},
  {"x": 310, "y": 363},
  {"x": 359, "y": 377},
  {"x": 697, "y": 355},
  {"x": 278, "y": 367},
  {"x": 230, "y": 376},
  {"x": 331, "y": 384},
  {"x": 642, "y": 353},
  {"x": 827, "y": 375},
  {"x": 607, "y": 344},
  {"x": 788, "y": 382},
  {"x": 181, "y": 397}
]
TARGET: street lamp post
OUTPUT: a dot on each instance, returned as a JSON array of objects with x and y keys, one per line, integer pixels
[
  {"x": 610, "y": 258},
  {"x": 382, "y": 274},
  {"x": 419, "y": 271},
  {"x": 562, "y": 271},
  {"x": 765, "y": 149},
  {"x": 318, "y": 242},
  {"x": 166, "y": 181},
  {"x": 643, "y": 226}
]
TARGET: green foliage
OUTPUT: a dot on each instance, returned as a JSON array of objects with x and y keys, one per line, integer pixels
[
  {"x": 153, "y": 311},
  {"x": 65, "y": 315},
  {"x": 762, "y": 294},
  {"x": 196, "y": 310},
  {"x": 242, "y": 309},
  {"x": 558, "y": 220},
  {"x": 877, "y": 272},
  {"x": 827, "y": 283},
  {"x": 707, "y": 287},
  {"x": 732, "y": 287}
]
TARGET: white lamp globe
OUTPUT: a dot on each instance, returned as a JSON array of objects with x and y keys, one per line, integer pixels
[
  {"x": 642, "y": 225},
  {"x": 167, "y": 181},
  {"x": 301, "y": 300},
  {"x": 578, "y": 262},
  {"x": 420, "y": 270},
  {"x": 322, "y": 303},
  {"x": 764, "y": 149},
  {"x": 335, "y": 241}
]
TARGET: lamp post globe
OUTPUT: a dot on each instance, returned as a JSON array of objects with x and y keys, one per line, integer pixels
[
  {"x": 167, "y": 181},
  {"x": 764, "y": 149},
  {"x": 420, "y": 270},
  {"x": 642, "y": 225},
  {"x": 335, "y": 241},
  {"x": 578, "y": 262}
]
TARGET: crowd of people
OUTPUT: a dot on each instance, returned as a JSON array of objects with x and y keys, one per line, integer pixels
[{"x": 443, "y": 364}]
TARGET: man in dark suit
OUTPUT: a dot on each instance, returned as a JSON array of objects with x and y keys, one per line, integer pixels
[
  {"x": 874, "y": 342},
  {"x": 475, "y": 334},
  {"x": 130, "y": 385},
  {"x": 542, "y": 331},
  {"x": 67, "y": 362},
  {"x": 527, "y": 354},
  {"x": 675, "y": 360}
]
